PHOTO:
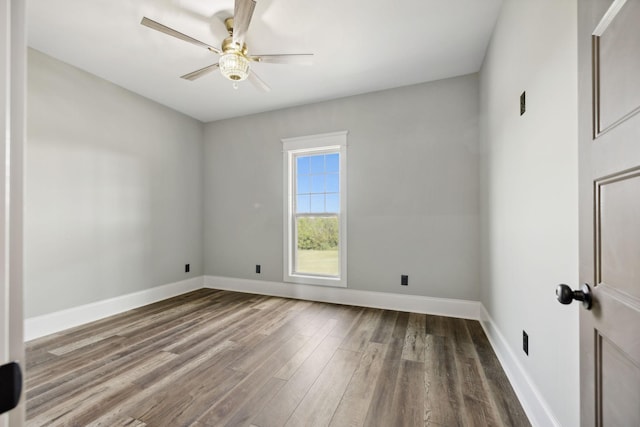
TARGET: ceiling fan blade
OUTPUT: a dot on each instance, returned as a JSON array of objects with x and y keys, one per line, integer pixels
[
  {"x": 287, "y": 58},
  {"x": 170, "y": 31},
  {"x": 258, "y": 82},
  {"x": 201, "y": 72},
  {"x": 241, "y": 19}
]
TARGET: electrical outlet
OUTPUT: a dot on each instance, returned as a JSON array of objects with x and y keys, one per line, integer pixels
[
  {"x": 523, "y": 103},
  {"x": 525, "y": 342},
  {"x": 404, "y": 280},
  {"x": 257, "y": 268},
  {"x": 186, "y": 268}
]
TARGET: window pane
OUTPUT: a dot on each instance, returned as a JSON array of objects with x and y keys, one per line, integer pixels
[
  {"x": 317, "y": 163},
  {"x": 303, "y": 164},
  {"x": 317, "y": 183},
  {"x": 333, "y": 183},
  {"x": 333, "y": 203},
  {"x": 317, "y": 203},
  {"x": 332, "y": 162},
  {"x": 317, "y": 246},
  {"x": 303, "y": 184},
  {"x": 303, "y": 204}
]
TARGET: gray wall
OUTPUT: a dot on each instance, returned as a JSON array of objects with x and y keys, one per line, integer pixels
[
  {"x": 530, "y": 192},
  {"x": 113, "y": 196},
  {"x": 412, "y": 188}
]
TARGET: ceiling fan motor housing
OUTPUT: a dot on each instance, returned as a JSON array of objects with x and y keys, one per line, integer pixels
[{"x": 234, "y": 64}]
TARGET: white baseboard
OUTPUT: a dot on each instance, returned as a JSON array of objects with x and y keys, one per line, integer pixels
[
  {"x": 532, "y": 401},
  {"x": 46, "y": 324},
  {"x": 412, "y": 303}
]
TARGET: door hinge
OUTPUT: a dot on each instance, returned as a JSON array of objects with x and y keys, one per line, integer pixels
[{"x": 10, "y": 386}]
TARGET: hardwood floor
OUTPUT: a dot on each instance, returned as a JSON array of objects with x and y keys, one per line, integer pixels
[{"x": 215, "y": 358}]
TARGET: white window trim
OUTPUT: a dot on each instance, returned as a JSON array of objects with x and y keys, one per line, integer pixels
[{"x": 291, "y": 147}]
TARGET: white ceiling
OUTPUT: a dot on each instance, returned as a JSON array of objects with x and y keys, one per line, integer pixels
[{"x": 358, "y": 45}]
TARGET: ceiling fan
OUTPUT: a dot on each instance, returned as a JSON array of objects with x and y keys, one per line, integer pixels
[{"x": 234, "y": 63}]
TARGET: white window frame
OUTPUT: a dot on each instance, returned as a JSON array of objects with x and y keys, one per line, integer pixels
[{"x": 292, "y": 147}]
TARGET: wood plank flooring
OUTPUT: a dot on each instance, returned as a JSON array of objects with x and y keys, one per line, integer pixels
[{"x": 217, "y": 358}]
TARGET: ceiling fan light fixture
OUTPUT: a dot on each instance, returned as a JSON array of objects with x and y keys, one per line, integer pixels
[{"x": 234, "y": 66}]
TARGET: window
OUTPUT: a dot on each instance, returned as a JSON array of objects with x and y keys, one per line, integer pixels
[{"x": 315, "y": 241}]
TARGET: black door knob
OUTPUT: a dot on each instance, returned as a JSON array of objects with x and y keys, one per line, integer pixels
[
  {"x": 10, "y": 386},
  {"x": 566, "y": 295}
]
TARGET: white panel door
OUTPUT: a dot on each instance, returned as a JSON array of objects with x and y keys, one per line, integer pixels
[
  {"x": 12, "y": 129},
  {"x": 609, "y": 120}
]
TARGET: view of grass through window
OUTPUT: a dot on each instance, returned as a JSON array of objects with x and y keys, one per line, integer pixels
[{"x": 317, "y": 245}]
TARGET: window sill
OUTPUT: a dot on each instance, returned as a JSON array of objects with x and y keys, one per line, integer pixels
[{"x": 315, "y": 280}]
